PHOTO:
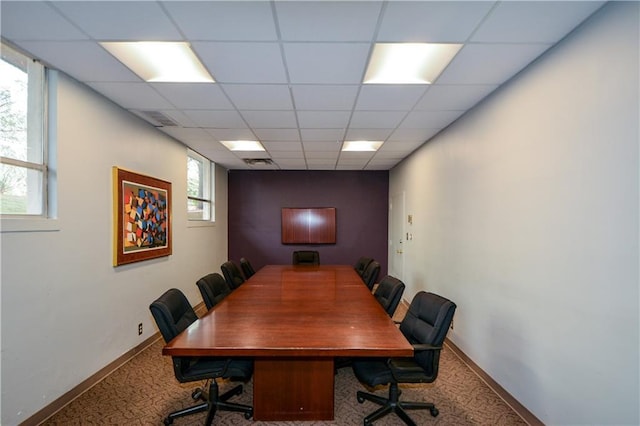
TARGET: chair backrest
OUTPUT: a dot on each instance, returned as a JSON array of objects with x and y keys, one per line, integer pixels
[
  {"x": 362, "y": 264},
  {"x": 247, "y": 269},
  {"x": 371, "y": 273},
  {"x": 213, "y": 289},
  {"x": 427, "y": 321},
  {"x": 173, "y": 314},
  {"x": 306, "y": 257},
  {"x": 232, "y": 274},
  {"x": 388, "y": 293}
]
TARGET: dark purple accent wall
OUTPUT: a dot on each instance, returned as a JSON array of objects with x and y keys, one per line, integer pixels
[{"x": 256, "y": 197}]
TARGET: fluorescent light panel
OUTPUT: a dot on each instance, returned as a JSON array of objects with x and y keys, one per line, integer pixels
[
  {"x": 158, "y": 61},
  {"x": 408, "y": 63},
  {"x": 361, "y": 145},
  {"x": 243, "y": 145}
]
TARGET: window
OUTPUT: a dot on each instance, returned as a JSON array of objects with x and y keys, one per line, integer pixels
[
  {"x": 200, "y": 186},
  {"x": 23, "y": 168}
]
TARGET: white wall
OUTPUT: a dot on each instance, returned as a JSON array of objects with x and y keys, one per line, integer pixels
[
  {"x": 525, "y": 213},
  {"x": 66, "y": 311}
]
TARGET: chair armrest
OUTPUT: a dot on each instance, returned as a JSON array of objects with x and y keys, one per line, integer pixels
[{"x": 406, "y": 369}]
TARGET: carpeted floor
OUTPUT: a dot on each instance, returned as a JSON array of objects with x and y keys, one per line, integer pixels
[{"x": 144, "y": 390}]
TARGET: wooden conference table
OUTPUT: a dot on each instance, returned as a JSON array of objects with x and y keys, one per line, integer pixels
[{"x": 294, "y": 320}]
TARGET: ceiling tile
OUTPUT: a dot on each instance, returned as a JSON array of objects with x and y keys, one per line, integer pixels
[
  {"x": 309, "y": 135},
  {"x": 324, "y": 97},
  {"x": 270, "y": 119},
  {"x": 224, "y": 20},
  {"x": 430, "y": 119},
  {"x": 376, "y": 119},
  {"x": 223, "y": 119},
  {"x": 367, "y": 134},
  {"x": 411, "y": 135},
  {"x": 194, "y": 95},
  {"x": 285, "y": 135},
  {"x": 83, "y": 60},
  {"x": 431, "y": 21},
  {"x": 533, "y": 21},
  {"x": 190, "y": 134},
  {"x": 292, "y": 164},
  {"x": 259, "y": 96},
  {"x": 133, "y": 95},
  {"x": 332, "y": 146},
  {"x": 241, "y": 62},
  {"x": 280, "y": 149},
  {"x": 323, "y": 119},
  {"x": 322, "y": 21},
  {"x": 232, "y": 134},
  {"x": 393, "y": 147},
  {"x": 121, "y": 20},
  {"x": 44, "y": 23},
  {"x": 491, "y": 63},
  {"x": 453, "y": 97},
  {"x": 316, "y": 62},
  {"x": 389, "y": 97}
]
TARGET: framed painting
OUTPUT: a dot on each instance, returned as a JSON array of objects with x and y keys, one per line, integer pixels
[{"x": 142, "y": 217}]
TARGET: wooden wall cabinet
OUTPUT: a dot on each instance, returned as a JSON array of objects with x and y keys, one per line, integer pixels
[{"x": 309, "y": 225}]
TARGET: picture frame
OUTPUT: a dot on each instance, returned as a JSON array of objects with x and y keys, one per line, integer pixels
[{"x": 142, "y": 217}]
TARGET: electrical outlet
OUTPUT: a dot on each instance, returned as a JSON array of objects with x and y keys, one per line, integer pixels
[{"x": 139, "y": 329}]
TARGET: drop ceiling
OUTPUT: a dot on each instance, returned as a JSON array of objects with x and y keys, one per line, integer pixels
[{"x": 289, "y": 73}]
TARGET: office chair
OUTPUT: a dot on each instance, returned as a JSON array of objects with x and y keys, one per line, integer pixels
[
  {"x": 232, "y": 274},
  {"x": 388, "y": 293},
  {"x": 213, "y": 289},
  {"x": 246, "y": 267},
  {"x": 173, "y": 314},
  {"x": 371, "y": 273},
  {"x": 425, "y": 327},
  {"x": 362, "y": 264},
  {"x": 306, "y": 257}
]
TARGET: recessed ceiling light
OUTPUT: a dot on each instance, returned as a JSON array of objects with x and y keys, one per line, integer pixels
[
  {"x": 159, "y": 61},
  {"x": 361, "y": 145},
  {"x": 408, "y": 63},
  {"x": 243, "y": 145}
]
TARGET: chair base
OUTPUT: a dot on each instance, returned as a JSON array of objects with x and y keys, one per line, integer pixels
[
  {"x": 393, "y": 405},
  {"x": 213, "y": 402}
]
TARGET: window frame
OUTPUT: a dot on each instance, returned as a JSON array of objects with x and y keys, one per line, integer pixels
[
  {"x": 207, "y": 189},
  {"x": 38, "y": 91}
]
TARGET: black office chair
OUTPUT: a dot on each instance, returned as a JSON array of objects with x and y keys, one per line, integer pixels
[
  {"x": 389, "y": 293},
  {"x": 306, "y": 257},
  {"x": 362, "y": 264},
  {"x": 371, "y": 273},
  {"x": 232, "y": 274},
  {"x": 173, "y": 314},
  {"x": 246, "y": 267},
  {"x": 425, "y": 327},
  {"x": 213, "y": 289}
]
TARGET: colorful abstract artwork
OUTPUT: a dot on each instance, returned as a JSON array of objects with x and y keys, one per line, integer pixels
[{"x": 142, "y": 217}]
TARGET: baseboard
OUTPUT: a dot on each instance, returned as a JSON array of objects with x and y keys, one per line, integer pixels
[
  {"x": 200, "y": 309},
  {"x": 516, "y": 406},
  {"x": 85, "y": 385}
]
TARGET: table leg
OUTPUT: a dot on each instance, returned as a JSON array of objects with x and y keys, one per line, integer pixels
[{"x": 293, "y": 389}]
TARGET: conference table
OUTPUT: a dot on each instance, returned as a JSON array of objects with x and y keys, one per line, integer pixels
[{"x": 294, "y": 320}]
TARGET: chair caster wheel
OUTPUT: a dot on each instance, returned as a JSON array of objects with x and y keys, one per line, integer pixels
[
  {"x": 248, "y": 415},
  {"x": 196, "y": 394},
  {"x": 167, "y": 421},
  {"x": 434, "y": 412},
  {"x": 360, "y": 399}
]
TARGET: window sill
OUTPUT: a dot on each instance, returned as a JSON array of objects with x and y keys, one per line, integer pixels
[
  {"x": 28, "y": 224},
  {"x": 200, "y": 224}
]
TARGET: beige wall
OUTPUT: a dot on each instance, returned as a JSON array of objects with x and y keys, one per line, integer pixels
[
  {"x": 525, "y": 213},
  {"x": 66, "y": 311}
]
